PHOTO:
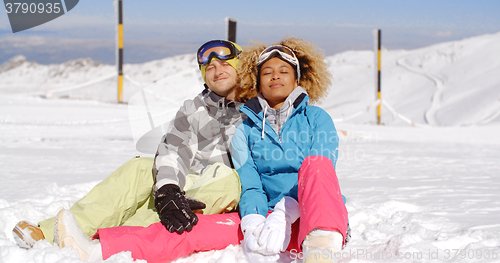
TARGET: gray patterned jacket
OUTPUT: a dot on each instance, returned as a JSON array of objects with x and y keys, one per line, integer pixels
[{"x": 199, "y": 136}]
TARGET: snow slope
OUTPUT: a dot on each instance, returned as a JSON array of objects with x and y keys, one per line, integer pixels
[
  {"x": 414, "y": 194},
  {"x": 447, "y": 84}
]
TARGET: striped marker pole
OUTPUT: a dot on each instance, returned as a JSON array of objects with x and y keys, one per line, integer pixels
[
  {"x": 120, "y": 51},
  {"x": 379, "y": 65},
  {"x": 231, "y": 29}
]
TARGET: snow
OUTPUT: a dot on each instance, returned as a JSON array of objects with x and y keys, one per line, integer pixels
[{"x": 423, "y": 190}]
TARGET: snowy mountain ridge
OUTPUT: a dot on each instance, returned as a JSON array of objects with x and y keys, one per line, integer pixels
[{"x": 447, "y": 84}]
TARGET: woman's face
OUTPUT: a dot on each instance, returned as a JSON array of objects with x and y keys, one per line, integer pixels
[{"x": 277, "y": 81}]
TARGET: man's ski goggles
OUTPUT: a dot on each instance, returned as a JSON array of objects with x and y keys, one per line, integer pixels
[
  {"x": 283, "y": 52},
  {"x": 223, "y": 50}
]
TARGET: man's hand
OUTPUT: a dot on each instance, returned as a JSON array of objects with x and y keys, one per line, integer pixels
[
  {"x": 195, "y": 204},
  {"x": 173, "y": 209}
]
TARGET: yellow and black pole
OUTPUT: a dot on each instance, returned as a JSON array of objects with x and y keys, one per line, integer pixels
[
  {"x": 231, "y": 29},
  {"x": 120, "y": 51},
  {"x": 379, "y": 64}
]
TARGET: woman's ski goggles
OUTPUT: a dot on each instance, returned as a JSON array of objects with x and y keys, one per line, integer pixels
[
  {"x": 283, "y": 52},
  {"x": 223, "y": 50}
]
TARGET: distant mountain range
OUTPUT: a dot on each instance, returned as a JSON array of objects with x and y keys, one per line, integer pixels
[{"x": 448, "y": 84}]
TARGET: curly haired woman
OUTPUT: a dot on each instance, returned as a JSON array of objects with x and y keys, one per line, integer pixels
[{"x": 285, "y": 153}]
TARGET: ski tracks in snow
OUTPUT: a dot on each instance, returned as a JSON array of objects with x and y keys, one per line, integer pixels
[{"x": 430, "y": 114}]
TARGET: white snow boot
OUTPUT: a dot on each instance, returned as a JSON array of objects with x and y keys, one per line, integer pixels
[
  {"x": 67, "y": 233},
  {"x": 321, "y": 246}
]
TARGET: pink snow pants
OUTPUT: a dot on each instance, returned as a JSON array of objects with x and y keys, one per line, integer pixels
[{"x": 321, "y": 206}]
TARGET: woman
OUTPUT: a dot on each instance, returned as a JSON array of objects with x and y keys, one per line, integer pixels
[{"x": 285, "y": 153}]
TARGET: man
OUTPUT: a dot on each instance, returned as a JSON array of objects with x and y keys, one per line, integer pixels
[{"x": 192, "y": 168}]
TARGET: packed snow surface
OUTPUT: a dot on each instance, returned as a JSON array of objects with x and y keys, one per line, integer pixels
[{"x": 424, "y": 187}]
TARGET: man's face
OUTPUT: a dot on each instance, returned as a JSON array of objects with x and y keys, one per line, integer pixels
[{"x": 221, "y": 78}]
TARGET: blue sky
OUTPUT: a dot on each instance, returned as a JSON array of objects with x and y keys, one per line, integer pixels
[{"x": 155, "y": 29}]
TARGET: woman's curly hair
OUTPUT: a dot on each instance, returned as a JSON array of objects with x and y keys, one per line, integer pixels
[{"x": 315, "y": 77}]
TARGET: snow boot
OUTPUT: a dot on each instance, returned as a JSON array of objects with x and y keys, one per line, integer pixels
[
  {"x": 320, "y": 246},
  {"x": 67, "y": 233},
  {"x": 27, "y": 234}
]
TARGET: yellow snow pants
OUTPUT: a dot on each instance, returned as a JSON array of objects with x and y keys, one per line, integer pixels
[{"x": 125, "y": 197}]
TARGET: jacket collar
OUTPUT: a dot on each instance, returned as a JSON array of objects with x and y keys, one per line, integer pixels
[
  {"x": 298, "y": 96},
  {"x": 253, "y": 108},
  {"x": 215, "y": 100},
  {"x": 292, "y": 99}
]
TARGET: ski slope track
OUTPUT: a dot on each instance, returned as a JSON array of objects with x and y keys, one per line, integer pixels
[
  {"x": 436, "y": 97},
  {"x": 423, "y": 187},
  {"x": 459, "y": 71}
]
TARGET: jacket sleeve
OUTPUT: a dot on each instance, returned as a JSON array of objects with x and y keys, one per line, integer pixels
[
  {"x": 253, "y": 198},
  {"x": 325, "y": 137},
  {"x": 176, "y": 151}
]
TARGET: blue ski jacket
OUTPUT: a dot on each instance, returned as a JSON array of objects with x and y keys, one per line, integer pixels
[{"x": 268, "y": 162}]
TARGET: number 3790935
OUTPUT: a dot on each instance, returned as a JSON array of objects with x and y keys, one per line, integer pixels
[{"x": 33, "y": 8}]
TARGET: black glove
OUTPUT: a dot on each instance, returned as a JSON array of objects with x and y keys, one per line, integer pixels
[
  {"x": 173, "y": 209},
  {"x": 195, "y": 204}
]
